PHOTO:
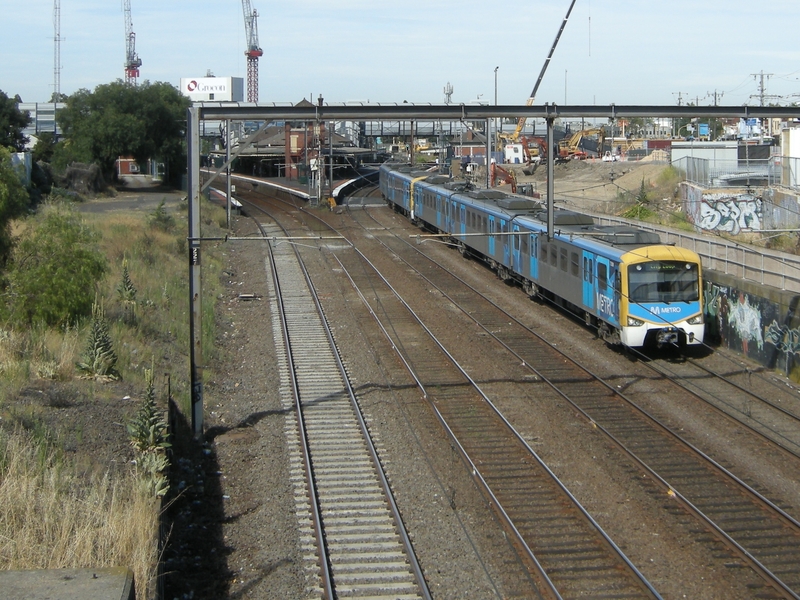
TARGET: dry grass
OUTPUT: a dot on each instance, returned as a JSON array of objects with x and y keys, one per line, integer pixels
[
  {"x": 50, "y": 516},
  {"x": 60, "y": 520}
]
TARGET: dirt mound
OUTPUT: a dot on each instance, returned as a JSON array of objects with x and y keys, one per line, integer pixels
[{"x": 594, "y": 179}]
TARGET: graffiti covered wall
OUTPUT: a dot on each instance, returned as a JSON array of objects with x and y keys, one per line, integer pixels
[
  {"x": 765, "y": 330},
  {"x": 728, "y": 212}
]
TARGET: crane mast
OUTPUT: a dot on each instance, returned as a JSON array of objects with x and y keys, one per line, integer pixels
[
  {"x": 56, "y": 50},
  {"x": 132, "y": 60},
  {"x": 253, "y": 51},
  {"x": 532, "y": 98}
]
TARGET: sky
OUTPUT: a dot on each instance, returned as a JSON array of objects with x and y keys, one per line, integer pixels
[{"x": 657, "y": 52}]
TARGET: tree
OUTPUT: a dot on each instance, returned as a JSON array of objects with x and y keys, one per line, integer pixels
[
  {"x": 14, "y": 200},
  {"x": 43, "y": 150},
  {"x": 12, "y": 122},
  {"x": 118, "y": 119},
  {"x": 54, "y": 271}
]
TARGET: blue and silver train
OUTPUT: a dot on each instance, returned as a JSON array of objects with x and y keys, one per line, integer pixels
[{"x": 635, "y": 290}]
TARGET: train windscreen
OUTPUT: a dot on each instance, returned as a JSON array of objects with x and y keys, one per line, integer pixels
[{"x": 663, "y": 281}]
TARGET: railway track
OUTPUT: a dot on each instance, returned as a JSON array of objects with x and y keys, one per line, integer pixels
[
  {"x": 354, "y": 536},
  {"x": 770, "y": 409},
  {"x": 759, "y": 532},
  {"x": 569, "y": 552},
  {"x": 756, "y": 532}
]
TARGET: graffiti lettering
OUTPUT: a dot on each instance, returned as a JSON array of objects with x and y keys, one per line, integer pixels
[
  {"x": 732, "y": 215},
  {"x": 784, "y": 339}
]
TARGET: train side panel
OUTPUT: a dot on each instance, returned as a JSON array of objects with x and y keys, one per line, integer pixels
[{"x": 577, "y": 268}]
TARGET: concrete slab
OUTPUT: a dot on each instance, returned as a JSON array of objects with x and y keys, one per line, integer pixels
[{"x": 110, "y": 583}]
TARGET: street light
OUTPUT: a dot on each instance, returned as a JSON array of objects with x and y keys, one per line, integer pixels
[{"x": 495, "y": 103}]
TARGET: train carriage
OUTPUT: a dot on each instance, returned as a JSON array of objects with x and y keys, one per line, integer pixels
[{"x": 633, "y": 289}]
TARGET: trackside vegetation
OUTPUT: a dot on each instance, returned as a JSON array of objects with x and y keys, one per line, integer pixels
[{"x": 85, "y": 370}]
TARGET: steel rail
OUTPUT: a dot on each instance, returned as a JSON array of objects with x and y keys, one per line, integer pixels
[
  {"x": 758, "y": 567},
  {"x": 324, "y": 561},
  {"x": 325, "y": 558},
  {"x": 775, "y": 438},
  {"x": 477, "y": 471}
]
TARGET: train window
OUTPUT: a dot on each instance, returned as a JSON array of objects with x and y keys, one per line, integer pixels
[
  {"x": 602, "y": 276},
  {"x": 574, "y": 264},
  {"x": 564, "y": 256},
  {"x": 534, "y": 244},
  {"x": 588, "y": 274},
  {"x": 553, "y": 255},
  {"x": 543, "y": 252},
  {"x": 523, "y": 244}
]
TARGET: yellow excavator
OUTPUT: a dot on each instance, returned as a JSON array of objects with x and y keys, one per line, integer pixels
[{"x": 570, "y": 148}]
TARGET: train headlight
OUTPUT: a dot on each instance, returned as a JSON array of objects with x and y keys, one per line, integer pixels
[
  {"x": 696, "y": 320},
  {"x": 633, "y": 322}
]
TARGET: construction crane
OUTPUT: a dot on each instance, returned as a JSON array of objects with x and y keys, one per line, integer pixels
[
  {"x": 132, "y": 60},
  {"x": 253, "y": 52},
  {"x": 521, "y": 122}
]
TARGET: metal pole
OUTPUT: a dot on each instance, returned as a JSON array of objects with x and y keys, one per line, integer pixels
[
  {"x": 496, "y": 128},
  {"x": 551, "y": 159},
  {"x": 195, "y": 283},
  {"x": 488, "y": 151},
  {"x": 228, "y": 170},
  {"x": 330, "y": 157}
]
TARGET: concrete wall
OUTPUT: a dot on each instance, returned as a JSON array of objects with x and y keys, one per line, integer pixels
[
  {"x": 760, "y": 323},
  {"x": 731, "y": 211}
]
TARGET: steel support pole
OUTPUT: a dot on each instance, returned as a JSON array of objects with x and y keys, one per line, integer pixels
[
  {"x": 488, "y": 152},
  {"x": 330, "y": 158},
  {"x": 551, "y": 161},
  {"x": 195, "y": 285},
  {"x": 228, "y": 170}
]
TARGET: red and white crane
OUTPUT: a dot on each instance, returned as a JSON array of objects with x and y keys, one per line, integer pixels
[
  {"x": 253, "y": 52},
  {"x": 132, "y": 60}
]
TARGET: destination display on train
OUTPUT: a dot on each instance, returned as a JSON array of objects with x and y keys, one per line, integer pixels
[{"x": 663, "y": 266}]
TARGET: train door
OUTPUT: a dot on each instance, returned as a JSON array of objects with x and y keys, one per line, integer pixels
[
  {"x": 438, "y": 211},
  {"x": 463, "y": 220},
  {"x": 449, "y": 206},
  {"x": 606, "y": 286},
  {"x": 491, "y": 235},
  {"x": 504, "y": 228},
  {"x": 516, "y": 243},
  {"x": 588, "y": 280},
  {"x": 534, "y": 265}
]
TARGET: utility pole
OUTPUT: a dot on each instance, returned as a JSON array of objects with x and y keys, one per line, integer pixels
[
  {"x": 680, "y": 103},
  {"x": 762, "y": 86},
  {"x": 716, "y": 95}
]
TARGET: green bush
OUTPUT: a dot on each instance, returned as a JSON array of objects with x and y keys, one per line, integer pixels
[{"x": 54, "y": 270}]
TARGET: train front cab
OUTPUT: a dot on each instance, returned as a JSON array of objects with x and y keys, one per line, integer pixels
[{"x": 663, "y": 303}]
